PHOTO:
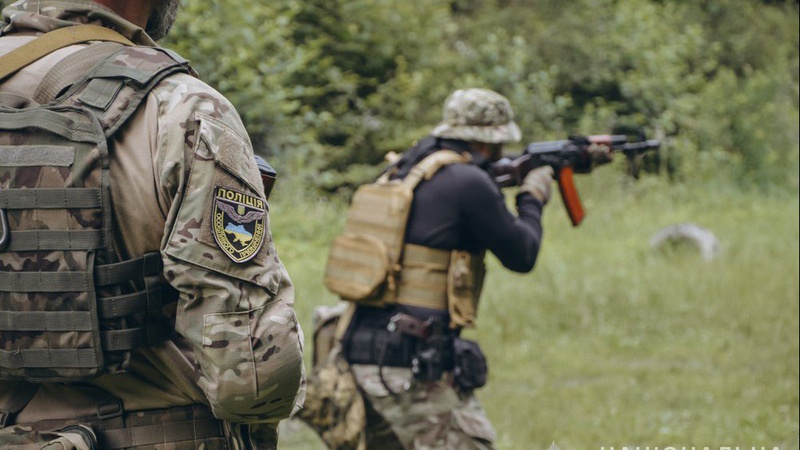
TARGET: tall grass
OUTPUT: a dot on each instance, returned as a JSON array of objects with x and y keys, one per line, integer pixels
[{"x": 609, "y": 342}]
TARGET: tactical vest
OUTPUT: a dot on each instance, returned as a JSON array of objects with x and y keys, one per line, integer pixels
[
  {"x": 370, "y": 263},
  {"x": 69, "y": 309}
]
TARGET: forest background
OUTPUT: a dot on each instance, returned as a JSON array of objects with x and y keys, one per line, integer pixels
[{"x": 608, "y": 342}]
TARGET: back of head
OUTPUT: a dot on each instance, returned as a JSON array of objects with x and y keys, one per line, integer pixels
[{"x": 479, "y": 115}]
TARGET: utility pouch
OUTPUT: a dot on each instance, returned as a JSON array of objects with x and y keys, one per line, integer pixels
[
  {"x": 24, "y": 437},
  {"x": 471, "y": 369},
  {"x": 361, "y": 262},
  {"x": 429, "y": 363},
  {"x": 436, "y": 355},
  {"x": 464, "y": 284},
  {"x": 358, "y": 267},
  {"x": 333, "y": 406}
]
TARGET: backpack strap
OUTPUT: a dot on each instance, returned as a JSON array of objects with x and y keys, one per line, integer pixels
[
  {"x": 20, "y": 396},
  {"x": 72, "y": 69},
  {"x": 31, "y": 52}
]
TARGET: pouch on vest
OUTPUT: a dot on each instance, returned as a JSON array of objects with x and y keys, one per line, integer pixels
[
  {"x": 464, "y": 284},
  {"x": 69, "y": 310},
  {"x": 334, "y": 407},
  {"x": 363, "y": 261}
]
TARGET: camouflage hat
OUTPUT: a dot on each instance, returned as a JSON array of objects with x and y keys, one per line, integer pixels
[{"x": 478, "y": 115}]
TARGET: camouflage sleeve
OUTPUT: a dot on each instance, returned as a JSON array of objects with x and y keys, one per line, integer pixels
[{"x": 235, "y": 295}]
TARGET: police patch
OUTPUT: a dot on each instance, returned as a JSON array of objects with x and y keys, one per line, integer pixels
[{"x": 238, "y": 224}]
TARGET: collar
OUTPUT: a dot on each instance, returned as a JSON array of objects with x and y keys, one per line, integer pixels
[{"x": 463, "y": 147}]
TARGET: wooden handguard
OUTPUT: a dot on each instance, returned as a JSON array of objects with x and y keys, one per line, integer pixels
[{"x": 569, "y": 194}]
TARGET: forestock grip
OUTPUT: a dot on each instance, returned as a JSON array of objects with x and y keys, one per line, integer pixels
[{"x": 569, "y": 194}]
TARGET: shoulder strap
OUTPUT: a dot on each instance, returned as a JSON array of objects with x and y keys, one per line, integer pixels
[
  {"x": 15, "y": 60},
  {"x": 426, "y": 168},
  {"x": 72, "y": 69},
  {"x": 20, "y": 396}
]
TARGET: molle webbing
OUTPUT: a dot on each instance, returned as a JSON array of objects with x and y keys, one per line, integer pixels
[
  {"x": 148, "y": 300},
  {"x": 146, "y": 429},
  {"x": 423, "y": 280},
  {"x": 49, "y": 198}
]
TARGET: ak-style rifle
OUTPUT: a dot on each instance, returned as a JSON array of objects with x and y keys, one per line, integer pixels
[{"x": 573, "y": 155}]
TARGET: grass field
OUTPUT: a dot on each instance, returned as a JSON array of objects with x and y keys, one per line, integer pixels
[{"x": 609, "y": 343}]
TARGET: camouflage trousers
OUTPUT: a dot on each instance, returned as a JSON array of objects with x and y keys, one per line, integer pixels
[{"x": 420, "y": 415}]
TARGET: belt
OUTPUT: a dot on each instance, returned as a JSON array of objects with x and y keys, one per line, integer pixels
[
  {"x": 144, "y": 428},
  {"x": 395, "y": 344},
  {"x": 366, "y": 346}
]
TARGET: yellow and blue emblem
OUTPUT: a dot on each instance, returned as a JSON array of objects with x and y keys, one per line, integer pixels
[{"x": 239, "y": 223}]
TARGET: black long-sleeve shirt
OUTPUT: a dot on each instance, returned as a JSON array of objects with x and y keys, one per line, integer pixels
[{"x": 462, "y": 208}]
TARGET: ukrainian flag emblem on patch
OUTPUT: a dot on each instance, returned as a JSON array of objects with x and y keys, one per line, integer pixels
[{"x": 238, "y": 223}]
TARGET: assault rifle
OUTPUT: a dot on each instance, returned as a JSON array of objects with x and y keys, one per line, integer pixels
[
  {"x": 566, "y": 157},
  {"x": 268, "y": 175}
]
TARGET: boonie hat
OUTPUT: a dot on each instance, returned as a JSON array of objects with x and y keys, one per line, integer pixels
[{"x": 480, "y": 115}]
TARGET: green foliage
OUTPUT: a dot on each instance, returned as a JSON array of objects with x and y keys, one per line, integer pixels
[
  {"x": 252, "y": 59},
  {"x": 327, "y": 87}
]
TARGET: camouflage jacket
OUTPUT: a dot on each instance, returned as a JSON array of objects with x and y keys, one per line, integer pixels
[{"x": 184, "y": 148}]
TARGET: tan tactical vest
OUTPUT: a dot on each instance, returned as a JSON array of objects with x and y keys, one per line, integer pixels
[
  {"x": 69, "y": 310},
  {"x": 370, "y": 264}
]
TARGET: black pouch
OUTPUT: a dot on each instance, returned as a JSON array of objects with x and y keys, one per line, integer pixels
[{"x": 470, "y": 370}]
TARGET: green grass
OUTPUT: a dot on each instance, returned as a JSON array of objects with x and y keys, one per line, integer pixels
[{"x": 609, "y": 343}]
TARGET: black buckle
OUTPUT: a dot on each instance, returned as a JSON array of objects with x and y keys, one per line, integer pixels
[{"x": 109, "y": 410}]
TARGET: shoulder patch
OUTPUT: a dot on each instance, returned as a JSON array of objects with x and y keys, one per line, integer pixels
[{"x": 238, "y": 223}]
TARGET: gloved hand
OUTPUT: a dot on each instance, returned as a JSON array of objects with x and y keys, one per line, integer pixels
[
  {"x": 537, "y": 183},
  {"x": 601, "y": 154}
]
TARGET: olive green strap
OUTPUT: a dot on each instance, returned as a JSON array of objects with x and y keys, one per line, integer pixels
[
  {"x": 15, "y": 60},
  {"x": 72, "y": 69},
  {"x": 50, "y": 198},
  {"x": 45, "y": 282},
  {"x": 20, "y": 396},
  {"x": 48, "y": 358},
  {"x": 49, "y": 240}
]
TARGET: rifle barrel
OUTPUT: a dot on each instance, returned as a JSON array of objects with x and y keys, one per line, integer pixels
[{"x": 637, "y": 147}]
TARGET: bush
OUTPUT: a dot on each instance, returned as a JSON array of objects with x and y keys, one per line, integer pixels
[{"x": 328, "y": 87}]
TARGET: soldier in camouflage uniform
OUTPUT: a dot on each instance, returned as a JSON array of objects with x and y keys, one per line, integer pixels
[
  {"x": 416, "y": 375},
  {"x": 184, "y": 186}
]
